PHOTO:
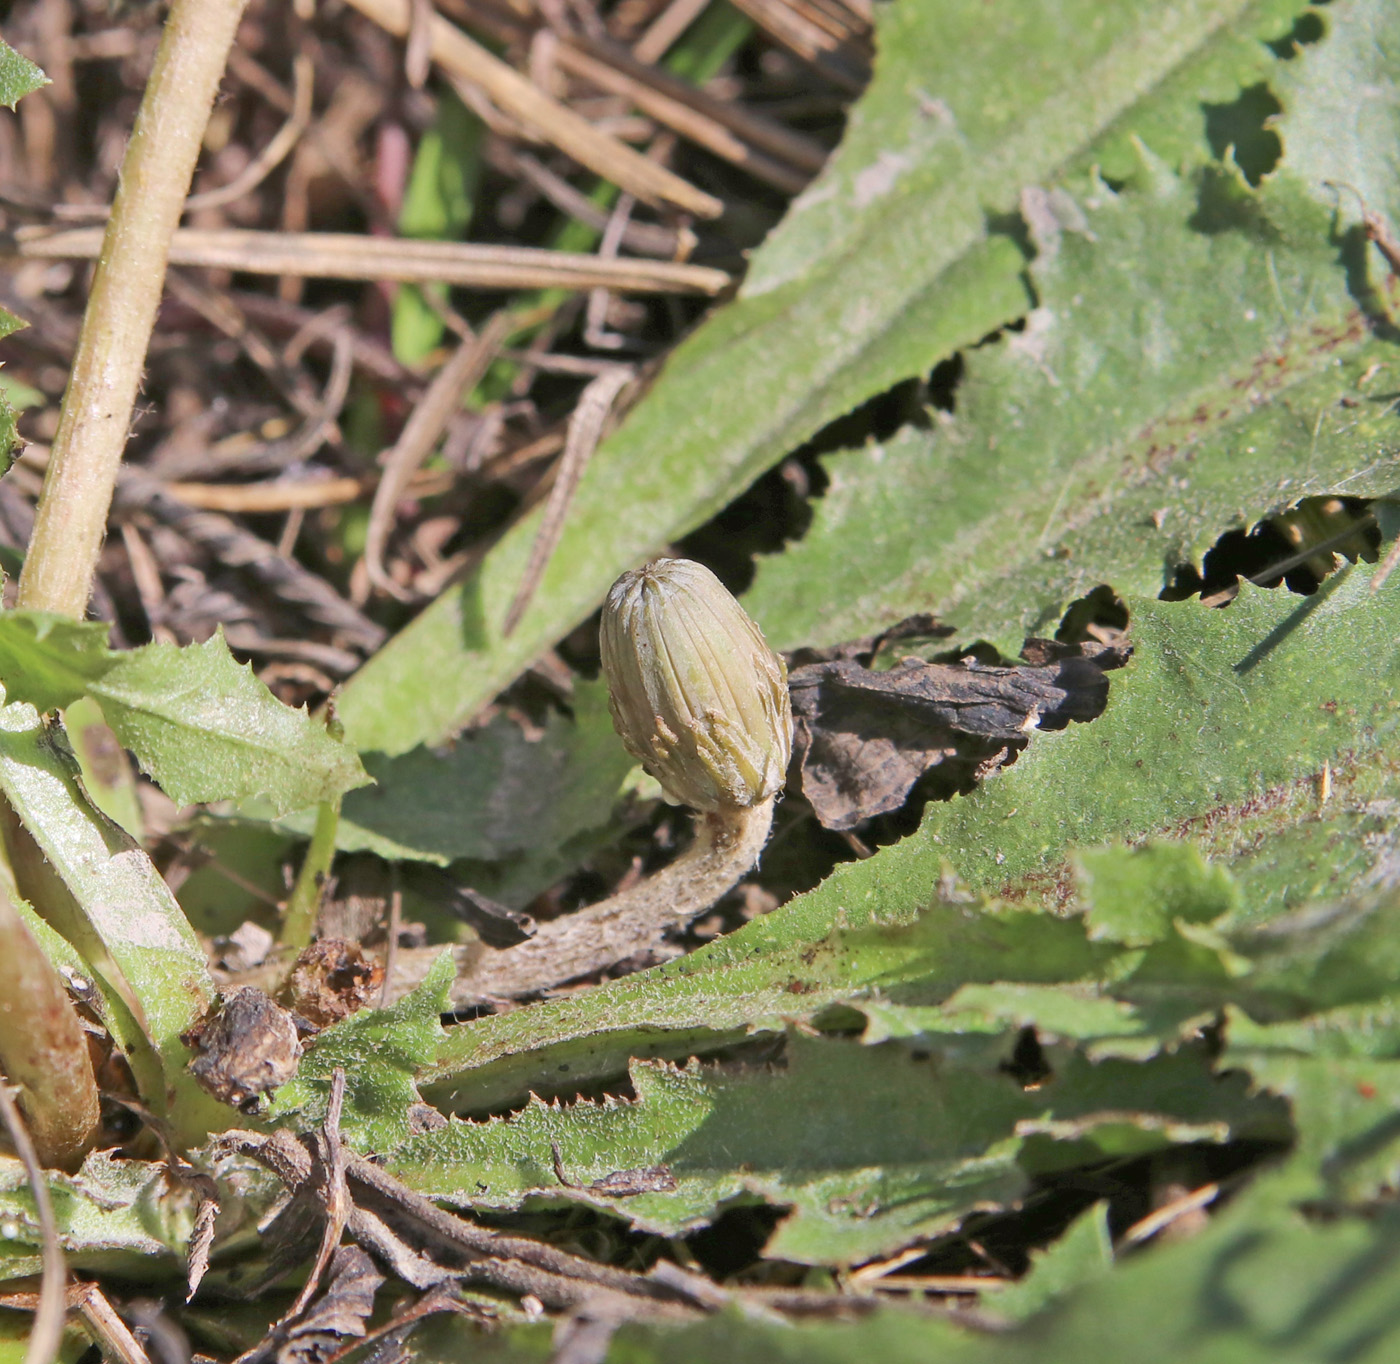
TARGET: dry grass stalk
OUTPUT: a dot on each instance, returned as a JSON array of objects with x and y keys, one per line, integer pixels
[
  {"x": 520, "y": 98},
  {"x": 832, "y": 36},
  {"x": 282, "y": 495},
  {"x": 46, "y": 1334},
  {"x": 585, "y": 431},
  {"x": 335, "y": 255},
  {"x": 421, "y": 432},
  {"x": 666, "y": 29},
  {"x": 276, "y": 151},
  {"x": 645, "y": 239},
  {"x": 804, "y": 154},
  {"x": 691, "y": 124},
  {"x": 126, "y": 290}
]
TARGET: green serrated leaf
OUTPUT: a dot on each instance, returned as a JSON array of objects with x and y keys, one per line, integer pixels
[
  {"x": 782, "y": 968},
  {"x": 1151, "y": 404},
  {"x": 381, "y": 1052},
  {"x": 102, "y": 893},
  {"x": 1216, "y": 708},
  {"x": 1134, "y": 897},
  {"x": 1348, "y": 1151},
  {"x": 199, "y": 723},
  {"x": 1254, "y": 1289},
  {"x": 1068, "y": 1010},
  {"x": 9, "y": 323},
  {"x": 8, "y": 435},
  {"x": 113, "y": 1214},
  {"x": 1340, "y": 119},
  {"x": 956, "y": 128},
  {"x": 732, "y": 1335},
  {"x": 12, "y": 393},
  {"x": 795, "y": 1137},
  {"x": 1219, "y": 715},
  {"x": 18, "y": 76},
  {"x": 869, "y": 1147},
  {"x": 1260, "y": 1286}
]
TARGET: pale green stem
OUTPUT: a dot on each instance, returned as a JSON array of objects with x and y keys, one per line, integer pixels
[
  {"x": 121, "y": 311},
  {"x": 39, "y": 1049},
  {"x": 304, "y": 904}
]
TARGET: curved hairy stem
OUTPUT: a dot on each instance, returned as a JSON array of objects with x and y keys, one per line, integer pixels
[
  {"x": 121, "y": 309},
  {"x": 727, "y": 845}
]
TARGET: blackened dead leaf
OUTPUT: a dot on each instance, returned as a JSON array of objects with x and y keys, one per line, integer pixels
[
  {"x": 331, "y": 980},
  {"x": 248, "y": 1046},
  {"x": 863, "y": 738},
  {"x": 339, "y": 1315}
]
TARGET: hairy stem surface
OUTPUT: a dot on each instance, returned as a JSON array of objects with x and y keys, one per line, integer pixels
[{"x": 632, "y": 922}]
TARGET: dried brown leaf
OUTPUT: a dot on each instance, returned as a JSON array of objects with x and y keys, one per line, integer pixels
[
  {"x": 248, "y": 1046},
  {"x": 331, "y": 980},
  {"x": 863, "y": 738},
  {"x": 339, "y": 1315}
]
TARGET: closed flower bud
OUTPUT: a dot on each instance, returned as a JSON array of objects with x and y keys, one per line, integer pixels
[{"x": 699, "y": 698}]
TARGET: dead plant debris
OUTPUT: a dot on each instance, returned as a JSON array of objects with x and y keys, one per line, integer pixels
[{"x": 864, "y": 737}]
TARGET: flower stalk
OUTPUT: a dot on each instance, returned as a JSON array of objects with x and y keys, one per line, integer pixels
[
  {"x": 633, "y": 922},
  {"x": 702, "y": 701}
]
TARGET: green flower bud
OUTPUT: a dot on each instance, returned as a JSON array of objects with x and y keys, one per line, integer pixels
[{"x": 699, "y": 698}]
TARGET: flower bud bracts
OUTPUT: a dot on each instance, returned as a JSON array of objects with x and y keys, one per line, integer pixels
[{"x": 699, "y": 698}]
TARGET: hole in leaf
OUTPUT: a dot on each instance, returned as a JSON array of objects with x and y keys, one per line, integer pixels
[
  {"x": 1099, "y": 616},
  {"x": 1027, "y": 1064},
  {"x": 1298, "y": 548},
  {"x": 774, "y": 511},
  {"x": 941, "y": 387},
  {"x": 1307, "y": 29},
  {"x": 735, "y": 1239},
  {"x": 777, "y": 509},
  {"x": 876, "y": 419},
  {"x": 1242, "y": 124}
]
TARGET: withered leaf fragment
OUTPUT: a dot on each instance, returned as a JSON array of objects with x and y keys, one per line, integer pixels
[
  {"x": 496, "y": 924},
  {"x": 200, "y": 1243},
  {"x": 331, "y": 980},
  {"x": 863, "y": 738},
  {"x": 621, "y": 1183},
  {"x": 339, "y": 1315},
  {"x": 247, "y": 1046}
]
